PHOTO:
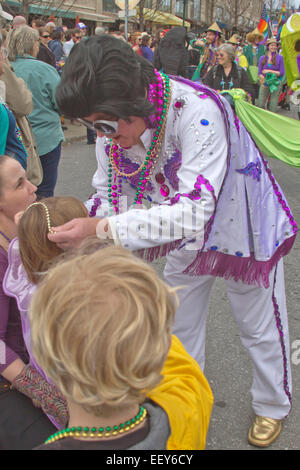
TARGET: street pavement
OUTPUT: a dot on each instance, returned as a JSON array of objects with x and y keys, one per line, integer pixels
[{"x": 228, "y": 368}]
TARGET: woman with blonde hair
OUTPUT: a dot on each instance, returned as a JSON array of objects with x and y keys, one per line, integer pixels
[
  {"x": 22, "y": 420},
  {"x": 106, "y": 319},
  {"x": 136, "y": 40}
]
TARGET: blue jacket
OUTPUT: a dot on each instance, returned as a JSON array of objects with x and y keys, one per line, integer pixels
[
  {"x": 57, "y": 48},
  {"x": 42, "y": 79},
  {"x": 14, "y": 144}
]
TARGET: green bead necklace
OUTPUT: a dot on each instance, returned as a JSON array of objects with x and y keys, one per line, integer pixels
[
  {"x": 145, "y": 169},
  {"x": 99, "y": 432}
]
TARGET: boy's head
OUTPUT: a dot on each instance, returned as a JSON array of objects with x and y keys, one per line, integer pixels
[
  {"x": 101, "y": 326},
  {"x": 36, "y": 250}
]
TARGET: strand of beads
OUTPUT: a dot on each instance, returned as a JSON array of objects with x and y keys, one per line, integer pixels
[
  {"x": 156, "y": 97},
  {"x": 114, "y": 188},
  {"x": 162, "y": 96},
  {"x": 153, "y": 152},
  {"x": 114, "y": 149},
  {"x": 100, "y": 432}
]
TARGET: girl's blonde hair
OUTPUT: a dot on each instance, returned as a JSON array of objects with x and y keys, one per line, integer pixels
[
  {"x": 36, "y": 250},
  {"x": 101, "y": 326}
]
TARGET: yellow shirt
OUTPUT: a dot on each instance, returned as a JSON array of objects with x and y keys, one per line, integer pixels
[
  {"x": 241, "y": 60},
  {"x": 186, "y": 397}
]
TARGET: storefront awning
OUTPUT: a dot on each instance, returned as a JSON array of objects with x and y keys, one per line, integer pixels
[
  {"x": 96, "y": 17},
  {"x": 162, "y": 17},
  {"x": 43, "y": 10},
  {"x": 47, "y": 11}
]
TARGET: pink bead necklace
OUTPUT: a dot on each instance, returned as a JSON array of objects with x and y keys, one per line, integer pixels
[{"x": 159, "y": 96}]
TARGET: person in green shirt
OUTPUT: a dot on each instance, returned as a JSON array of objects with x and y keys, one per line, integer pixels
[
  {"x": 42, "y": 80},
  {"x": 253, "y": 52},
  {"x": 208, "y": 49}
]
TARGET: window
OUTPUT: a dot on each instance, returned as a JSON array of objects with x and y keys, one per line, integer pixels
[
  {"x": 195, "y": 9},
  {"x": 179, "y": 7},
  {"x": 219, "y": 14},
  {"x": 165, "y": 5},
  {"x": 226, "y": 16},
  {"x": 109, "y": 5}
]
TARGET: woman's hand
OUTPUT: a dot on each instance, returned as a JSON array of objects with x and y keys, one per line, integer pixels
[{"x": 71, "y": 234}]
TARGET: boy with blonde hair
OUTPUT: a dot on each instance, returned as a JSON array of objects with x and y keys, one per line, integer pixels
[{"x": 101, "y": 329}]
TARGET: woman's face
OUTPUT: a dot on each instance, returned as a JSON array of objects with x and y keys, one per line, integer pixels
[
  {"x": 128, "y": 133},
  {"x": 273, "y": 47},
  {"x": 17, "y": 192},
  {"x": 223, "y": 58},
  {"x": 45, "y": 38}
]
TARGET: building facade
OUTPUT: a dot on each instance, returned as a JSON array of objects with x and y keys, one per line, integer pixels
[{"x": 243, "y": 15}]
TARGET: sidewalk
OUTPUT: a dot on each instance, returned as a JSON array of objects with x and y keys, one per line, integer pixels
[{"x": 75, "y": 132}]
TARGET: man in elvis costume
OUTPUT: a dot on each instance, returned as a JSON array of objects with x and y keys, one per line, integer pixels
[{"x": 215, "y": 210}]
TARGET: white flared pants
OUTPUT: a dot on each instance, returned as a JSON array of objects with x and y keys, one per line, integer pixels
[{"x": 261, "y": 316}]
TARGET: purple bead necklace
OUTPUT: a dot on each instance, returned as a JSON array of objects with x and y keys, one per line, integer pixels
[
  {"x": 159, "y": 95},
  {"x": 4, "y": 236}
]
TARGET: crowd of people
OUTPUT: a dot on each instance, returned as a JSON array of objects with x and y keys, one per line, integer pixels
[{"x": 99, "y": 352}]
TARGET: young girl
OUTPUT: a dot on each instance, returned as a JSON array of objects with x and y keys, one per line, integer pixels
[{"x": 29, "y": 257}]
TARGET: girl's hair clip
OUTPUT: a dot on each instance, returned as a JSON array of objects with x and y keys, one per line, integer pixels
[{"x": 47, "y": 213}]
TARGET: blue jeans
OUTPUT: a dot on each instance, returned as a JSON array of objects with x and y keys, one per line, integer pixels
[{"x": 49, "y": 163}]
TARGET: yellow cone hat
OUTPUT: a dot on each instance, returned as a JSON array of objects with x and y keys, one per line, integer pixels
[{"x": 214, "y": 27}]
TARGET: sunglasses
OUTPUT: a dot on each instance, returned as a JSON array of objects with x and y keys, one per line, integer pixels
[
  {"x": 105, "y": 127},
  {"x": 220, "y": 55},
  {"x": 46, "y": 36}
]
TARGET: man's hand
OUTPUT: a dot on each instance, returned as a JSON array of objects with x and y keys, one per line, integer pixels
[
  {"x": 71, "y": 234},
  {"x": 199, "y": 42}
]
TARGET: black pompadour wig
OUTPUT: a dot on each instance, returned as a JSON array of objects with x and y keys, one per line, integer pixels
[{"x": 104, "y": 75}]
